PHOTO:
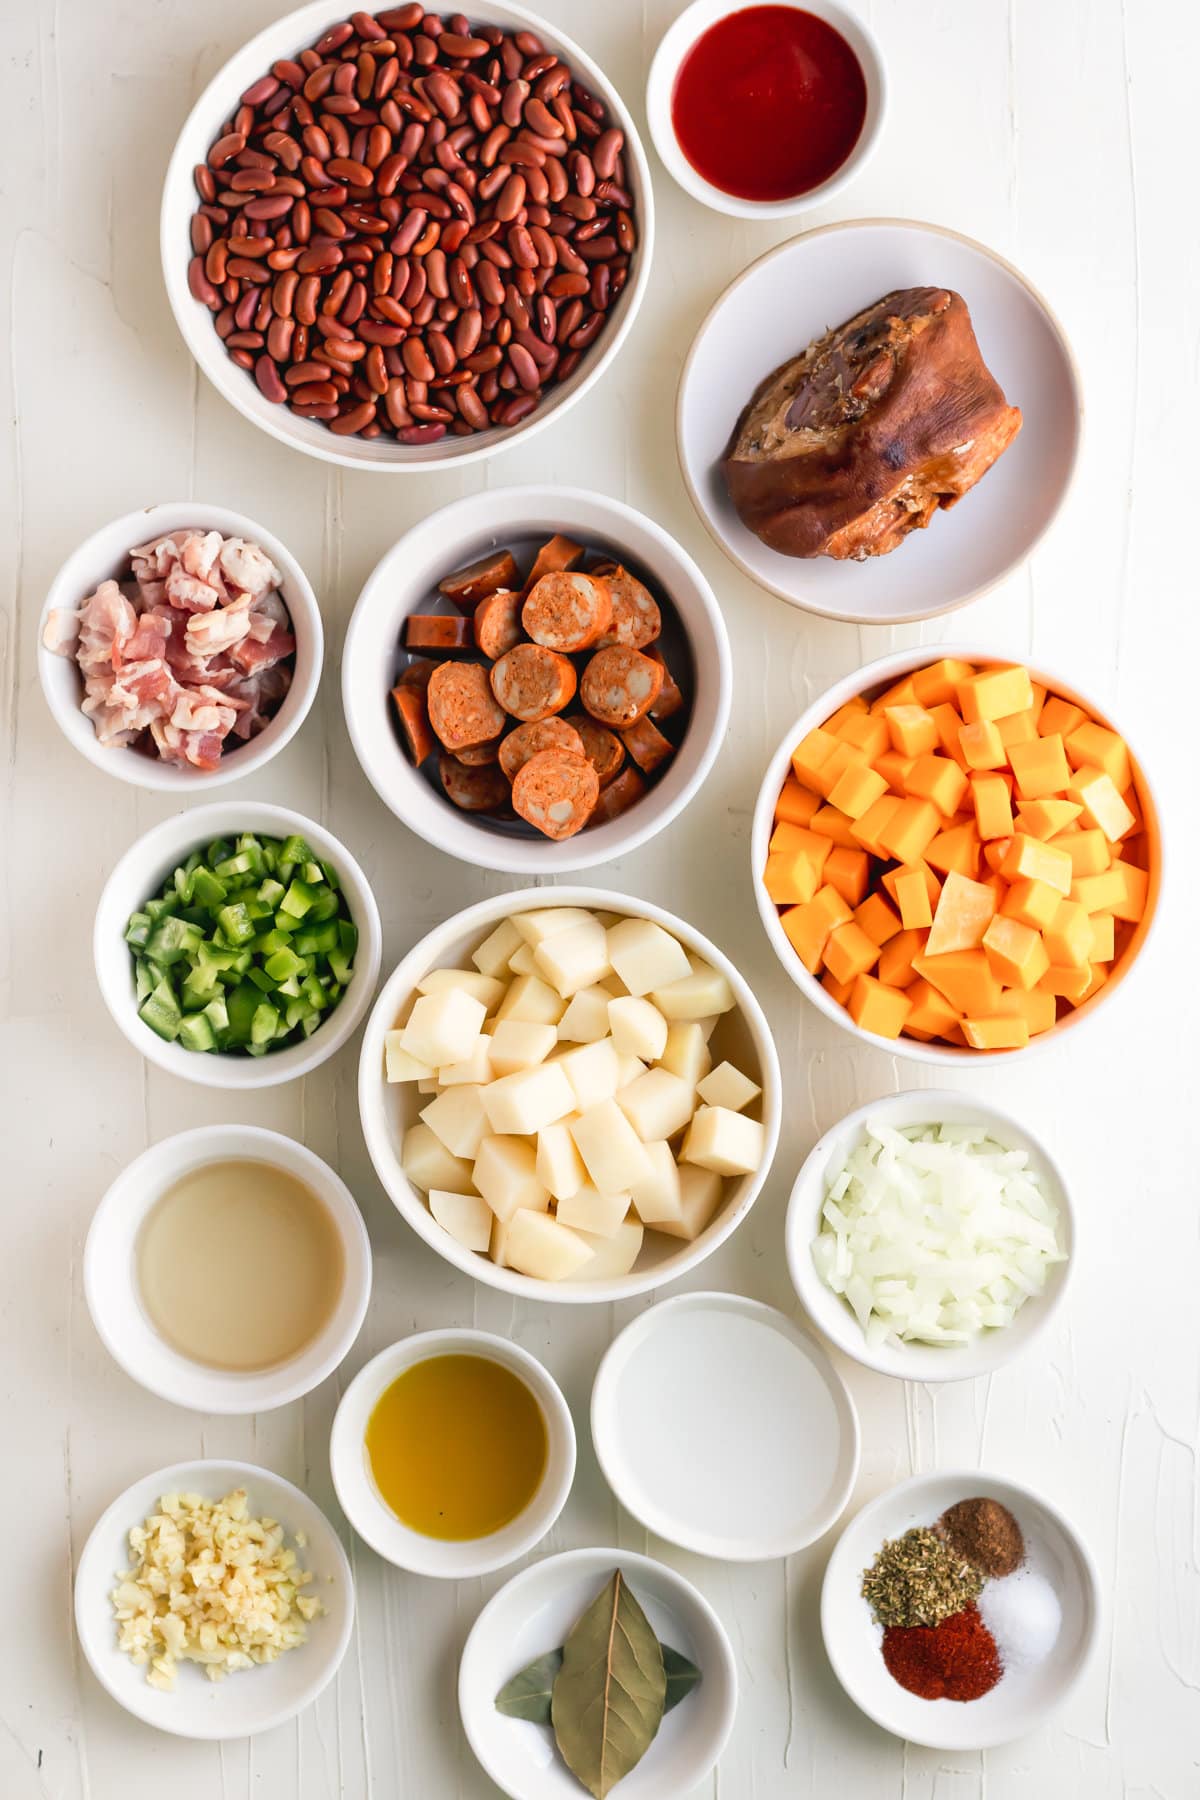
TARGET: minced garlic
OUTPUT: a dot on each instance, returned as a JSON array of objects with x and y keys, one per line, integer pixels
[{"x": 208, "y": 1584}]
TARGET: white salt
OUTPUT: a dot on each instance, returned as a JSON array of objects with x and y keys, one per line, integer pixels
[{"x": 1023, "y": 1614}]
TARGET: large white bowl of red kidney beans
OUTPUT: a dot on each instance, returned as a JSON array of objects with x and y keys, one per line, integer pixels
[{"x": 406, "y": 239}]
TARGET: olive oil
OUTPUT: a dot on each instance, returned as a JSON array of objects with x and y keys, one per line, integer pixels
[{"x": 457, "y": 1446}]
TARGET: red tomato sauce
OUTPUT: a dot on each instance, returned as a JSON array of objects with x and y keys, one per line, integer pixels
[{"x": 768, "y": 103}]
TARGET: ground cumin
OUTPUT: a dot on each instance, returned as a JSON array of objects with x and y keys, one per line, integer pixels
[{"x": 986, "y": 1534}]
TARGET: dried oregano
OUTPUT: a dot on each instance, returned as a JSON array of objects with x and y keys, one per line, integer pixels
[{"x": 919, "y": 1579}]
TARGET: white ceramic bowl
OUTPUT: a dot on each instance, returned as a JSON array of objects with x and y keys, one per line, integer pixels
[
  {"x": 798, "y": 291},
  {"x": 386, "y": 1111},
  {"x": 723, "y": 1427},
  {"x": 675, "y": 45},
  {"x": 105, "y": 555},
  {"x": 533, "y": 1613},
  {"x": 252, "y": 1700},
  {"x": 141, "y": 873},
  {"x": 286, "y": 37},
  {"x": 830, "y": 1313},
  {"x": 404, "y": 582},
  {"x": 874, "y": 678},
  {"x": 111, "y": 1288},
  {"x": 374, "y": 1520},
  {"x": 1025, "y": 1697}
]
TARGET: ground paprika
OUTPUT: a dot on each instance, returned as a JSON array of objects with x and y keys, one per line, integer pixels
[{"x": 956, "y": 1660}]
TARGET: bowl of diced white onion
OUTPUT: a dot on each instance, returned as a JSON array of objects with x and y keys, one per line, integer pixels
[{"x": 930, "y": 1236}]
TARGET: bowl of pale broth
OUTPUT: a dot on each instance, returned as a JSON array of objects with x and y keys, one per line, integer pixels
[{"x": 228, "y": 1270}]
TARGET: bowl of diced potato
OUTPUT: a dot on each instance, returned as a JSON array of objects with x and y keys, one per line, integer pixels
[
  {"x": 956, "y": 856},
  {"x": 570, "y": 1094}
]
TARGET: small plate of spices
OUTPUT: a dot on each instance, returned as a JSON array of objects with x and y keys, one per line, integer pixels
[{"x": 959, "y": 1609}]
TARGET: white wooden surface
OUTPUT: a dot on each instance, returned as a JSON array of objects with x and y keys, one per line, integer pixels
[{"x": 1061, "y": 132}]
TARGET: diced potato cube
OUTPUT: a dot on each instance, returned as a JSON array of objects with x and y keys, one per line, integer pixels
[
  {"x": 520, "y": 1104},
  {"x": 726, "y": 1141},
  {"x": 660, "y": 1197},
  {"x": 657, "y": 1104},
  {"x": 541, "y": 923},
  {"x": 538, "y": 1245},
  {"x": 398, "y": 1065},
  {"x": 506, "y": 1175},
  {"x": 443, "y": 1027},
  {"x": 727, "y": 1086},
  {"x": 498, "y": 1248},
  {"x": 646, "y": 957},
  {"x": 458, "y": 1119},
  {"x": 428, "y": 1085},
  {"x": 687, "y": 1054},
  {"x": 701, "y": 992},
  {"x": 428, "y": 1164},
  {"x": 590, "y": 1210},
  {"x": 701, "y": 1193},
  {"x": 465, "y": 1216},
  {"x": 593, "y": 1071},
  {"x": 574, "y": 959},
  {"x": 586, "y": 1018},
  {"x": 476, "y": 1070},
  {"x": 628, "y": 1069},
  {"x": 638, "y": 1028},
  {"x": 522, "y": 961},
  {"x": 486, "y": 988},
  {"x": 612, "y": 1152},
  {"x": 520, "y": 1044},
  {"x": 531, "y": 998},
  {"x": 612, "y": 1256},
  {"x": 558, "y": 1163},
  {"x": 492, "y": 956}
]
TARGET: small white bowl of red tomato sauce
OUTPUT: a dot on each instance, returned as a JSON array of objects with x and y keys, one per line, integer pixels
[{"x": 762, "y": 111}]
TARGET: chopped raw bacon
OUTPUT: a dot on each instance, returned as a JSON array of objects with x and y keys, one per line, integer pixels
[{"x": 254, "y": 656}]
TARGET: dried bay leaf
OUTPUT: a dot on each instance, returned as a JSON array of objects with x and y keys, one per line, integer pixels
[
  {"x": 527, "y": 1695},
  {"x": 682, "y": 1676},
  {"x": 610, "y": 1693}
]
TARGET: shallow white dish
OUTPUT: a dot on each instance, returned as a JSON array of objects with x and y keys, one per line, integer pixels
[
  {"x": 374, "y": 1520},
  {"x": 141, "y": 873},
  {"x": 533, "y": 1613},
  {"x": 675, "y": 45},
  {"x": 406, "y": 578},
  {"x": 105, "y": 555},
  {"x": 111, "y": 1288},
  {"x": 831, "y": 1314},
  {"x": 251, "y": 1700},
  {"x": 814, "y": 282},
  {"x": 1024, "y": 1697},
  {"x": 387, "y": 1110},
  {"x": 875, "y": 678},
  {"x": 723, "y": 1427},
  {"x": 286, "y": 37}
]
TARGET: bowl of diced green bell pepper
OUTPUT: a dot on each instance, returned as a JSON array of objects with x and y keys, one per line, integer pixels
[{"x": 237, "y": 945}]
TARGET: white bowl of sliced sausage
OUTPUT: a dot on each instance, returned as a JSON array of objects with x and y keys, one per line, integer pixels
[{"x": 536, "y": 679}]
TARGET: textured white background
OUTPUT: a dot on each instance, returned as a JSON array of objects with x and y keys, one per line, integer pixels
[{"x": 1063, "y": 133}]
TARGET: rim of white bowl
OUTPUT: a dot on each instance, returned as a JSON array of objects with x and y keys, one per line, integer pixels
[
  {"x": 372, "y": 1091},
  {"x": 283, "y": 37},
  {"x": 516, "y": 510},
  {"x": 59, "y": 675},
  {"x": 202, "y": 1387},
  {"x": 884, "y": 670},
  {"x": 160, "y": 850},
  {"x": 829, "y": 1313},
  {"x": 451, "y": 1559},
  {"x": 680, "y": 38},
  {"x": 1017, "y": 561}
]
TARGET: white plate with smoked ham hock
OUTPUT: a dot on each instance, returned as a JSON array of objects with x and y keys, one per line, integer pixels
[{"x": 879, "y": 420}]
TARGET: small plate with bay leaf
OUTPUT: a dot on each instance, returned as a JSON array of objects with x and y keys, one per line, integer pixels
[{"x": 597, "y": 1671}]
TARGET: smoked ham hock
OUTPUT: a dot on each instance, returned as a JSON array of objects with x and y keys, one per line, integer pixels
[{"x": 854, "y": 443}]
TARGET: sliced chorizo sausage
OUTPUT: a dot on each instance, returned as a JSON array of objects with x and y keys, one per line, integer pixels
[
  {"x": 531, "y": 682},
  {"x": 619, "y": 796},
  {"x": 636, "y": 619},
  {"x": 602, "y": 748},
  {"x": 527, "y": 740},
  {"x": 473, "y": 789},
  {"x": 467, "y": 587},
  {"x": 647, "y": 745},
  {"x": 670, "y": 700},
  {"x": 476, "y": 755},
  {"x": 567, "y": 610},
  {"x": 462, "y": 707},
  {"x": 556, "y": 791},
  {"x": 437, "y": 631},
  {"x": 620, "y": 686},
  {"x": 498, "y": 622},
  {"x": 557, "y": 553},
  {"x": 412, "y": 710}
]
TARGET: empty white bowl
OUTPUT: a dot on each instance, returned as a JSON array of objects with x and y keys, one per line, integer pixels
[
  {"x": 833, "y": 1316},
  {"x": 104, "y": 556},
  {"x": 110, "y": 1282},
  {"x": 873, "y": 679},
  {"x": 286, "y": 37},
  {"x": 675, "y": 45},
  {"x": 533, "y": 1613},
  {"x": 405, "y": 581},
  {"x": 1025, "y": 1696},
  {"x": 251, "y": 1700},
  {"x": 141, "y": 873},
  {"x": 453, "y": 1559},
  {"x": 794, "y": 294},
  {"x": 387, "y": 1110}
]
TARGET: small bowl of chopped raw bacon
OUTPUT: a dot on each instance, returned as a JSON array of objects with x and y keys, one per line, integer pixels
[{"x": 180, "y": 646}]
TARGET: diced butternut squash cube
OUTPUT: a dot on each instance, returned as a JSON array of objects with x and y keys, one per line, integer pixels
[
  {"x": 789, "y": 837},
  {"x": 792, "y": 878},
  {"x": 829, "y": 822},
  {"x": 1040, "y": 767},
  {"x": 810, "y": 754},
  {"x": 849, "y": 952},
  {"x": 1095, "y": 746},
  {"x": 948, "y": 720},
  {"x": 911, "y": 729},
  {"x": 1002, "y": 1033},
  {"x": 933, "y": 886},
  {"x": 1015, "y": 952},
  {"x": 837, "y": 990},
  {"x": 1068, "y": 937},
  {"x": 808, "y": 927},
  {"x": 1018, "y": 728},
  {"x": 1035, "y": 1006},
  {"x": 877, "y": 919},
  {"x": 1099, "y": 977},
  {"x": 1099, "y": 893},
  {"x": 994, "y": 853},
  {"x": 994, "y": 694},
  {"x": 1089, "y": 850},
  {"x": 1029, "y": 857},
  {"x": 956, "y": 848},
  {"x": 1046, "y": 818},
  {"x": 849, "y": 871},
  {"x": 1102, "y": 804},
  {"x": 1033, "y": 903},
  {"x": 964, "y": 912},
  {"x": 993, "y": 806},
  {"x": 903, "y": 693},
  {"x": 939, "y": 682},
  {"x": 910, "y": 830},
  {"x": 857, "y": 788},
  {"x": 1104, "y": 937},
  {"x": 865, "y": 831},
  {"x": 910, "y": 890},
  {"x": 894, "y": 768},
  {"x": 795, "y": 803},
  {"x": 1058, "y": 715},
  {"x": 854, "y": 707},
  {"x": 1070, "y": 984},
  {"x": 965, "y": 978},
  {"x": 866, "y": 730},
  {"x": 843, "y": 756},
  {"x": 930, "y": 1013},
  {"x": 895, "y": 965},
  {"x": 876, "y": 1007},
  {"x": 981, "y": 745},
  {"x": 938, "y": 779}
]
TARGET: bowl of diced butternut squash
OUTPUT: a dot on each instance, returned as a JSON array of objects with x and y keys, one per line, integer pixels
[{"x": 956, "y": 855}]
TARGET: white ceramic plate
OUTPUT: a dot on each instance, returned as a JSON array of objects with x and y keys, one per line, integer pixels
[
  {"x": 1024, "y": 1697},
  {"x": 254, "y": 1699},
  {"x": 725, "y": 1428},
  {"x": 800, "y": 290},
  {"x": 533, "y": 1614}
]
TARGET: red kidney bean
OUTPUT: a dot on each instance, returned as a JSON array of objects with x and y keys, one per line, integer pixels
[{"x": 269, "y": 380}]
